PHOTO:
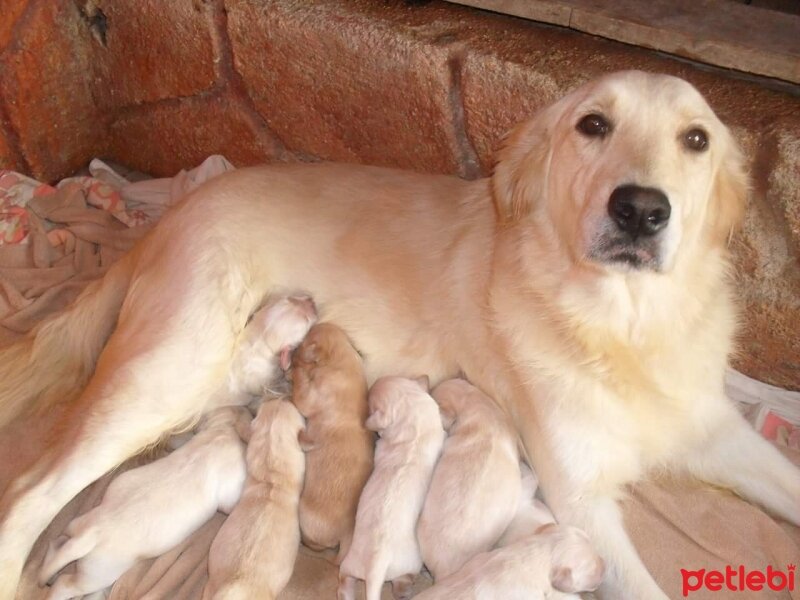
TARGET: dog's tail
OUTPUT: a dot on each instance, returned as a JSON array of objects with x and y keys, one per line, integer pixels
[
  {"x": 61, "y": 553},
  {"x": 54, "y": 361}
]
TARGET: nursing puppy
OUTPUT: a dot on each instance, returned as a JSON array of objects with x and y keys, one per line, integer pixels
[
  {"x": 556, "y": 563},
  {"x": 148, "y": 510},
  {"x": 584, "y": 286},
  {"x": 265, "y": 346},
  {"x": 253, "y": 554},
  {"x": 476, "y": 486},
  {"x": 330, "y": 390},
  {"x": 531, "y": 515},
  {"x": 384, "y": 546}
]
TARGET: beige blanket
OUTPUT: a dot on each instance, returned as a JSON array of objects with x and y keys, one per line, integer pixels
[{"x": 675, "y": 525}]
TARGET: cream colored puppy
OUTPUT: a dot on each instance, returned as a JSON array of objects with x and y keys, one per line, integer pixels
[
  {"x": 384, "y": 546},
  {"x": 254, "y": 552},
  {"x": 557, "y": 563},
  {"x": 531, "y": 515},
  {"x": 330, "y": 391},
  {"x": 267, "y": 341},
  {"x": 148, "y": 510},
  {"x": 476, "y": 485}
]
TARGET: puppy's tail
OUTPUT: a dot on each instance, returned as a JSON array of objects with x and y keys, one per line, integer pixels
[
  {"x": 56, "y": 358},
  {"x": 59, "y": 556}
]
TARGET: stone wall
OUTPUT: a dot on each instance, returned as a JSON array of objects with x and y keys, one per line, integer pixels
[{"x": 423, "y": 85}]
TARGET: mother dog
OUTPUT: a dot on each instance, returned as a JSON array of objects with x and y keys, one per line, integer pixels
[{"x": 584, "y": 286}]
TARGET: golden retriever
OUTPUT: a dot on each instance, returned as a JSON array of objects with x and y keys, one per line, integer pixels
[
  {"x": 330, "y": 391},
  {"x": 555, "y": 564},
  {"x": 253, "y": 554},
  {"x": 584, "y": 286},
  {"x": 476, "y": 486}
]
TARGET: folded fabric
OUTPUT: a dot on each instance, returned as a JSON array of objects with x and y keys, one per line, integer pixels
[{"x": 55, "y": 239}]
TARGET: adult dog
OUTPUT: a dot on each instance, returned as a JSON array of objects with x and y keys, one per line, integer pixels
[{"x": 583, "y": 286}]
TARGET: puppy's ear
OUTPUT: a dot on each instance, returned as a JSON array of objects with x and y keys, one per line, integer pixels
[
  {"x": 309, "y": 353},
  {"x": 448, "y": 418},
  {"x": 244, "y": 427},
  {"x": 729, "y": 193},
  {"x": 305, "y": 440},
  {"x": 424, "y": 382},
  {"x": 377, "y": 421},
  {"x": 520, "y": 172},
  {"x": 562, "y": 580},
  {"x": 242, "y": 424}
]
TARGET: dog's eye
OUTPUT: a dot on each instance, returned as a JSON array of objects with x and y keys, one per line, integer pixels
[
  {"x": 594, "y": 125},
  {"x": 696, "y": 140}
]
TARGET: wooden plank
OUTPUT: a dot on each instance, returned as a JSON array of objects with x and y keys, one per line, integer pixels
[{"x": 717, "y": 32}]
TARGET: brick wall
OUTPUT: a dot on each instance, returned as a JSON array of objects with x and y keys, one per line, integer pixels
[{"x": 429, "y": 86}]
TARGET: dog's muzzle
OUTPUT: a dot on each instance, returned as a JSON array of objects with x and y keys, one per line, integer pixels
[{"x": 637, "y": 215}]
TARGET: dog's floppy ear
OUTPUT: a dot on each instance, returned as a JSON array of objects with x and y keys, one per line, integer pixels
[
  {"x": 308, "y": 353},
  {"x": 244, "y": 427},
  {"x": 520, "y": 172},
  {"x": 562, "y": 580},
  {"x": 305, "y": 440},
  {"x": 728, "y": 194},
  {"x": 377, "y": 421},
  {"x": 448, "y": 418}
]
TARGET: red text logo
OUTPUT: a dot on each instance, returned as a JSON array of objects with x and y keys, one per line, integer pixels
[{"x": 738, "y": 580}]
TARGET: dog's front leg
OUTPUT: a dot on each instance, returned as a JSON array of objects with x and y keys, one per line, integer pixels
[
  {"x": 736, "y": 457},
  {"x": 626, "y": 576}
]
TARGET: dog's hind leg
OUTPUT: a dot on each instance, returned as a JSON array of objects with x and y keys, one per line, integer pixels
[
  {"x": 736, "y": 457},
  {"x": 157, "y": 371}
]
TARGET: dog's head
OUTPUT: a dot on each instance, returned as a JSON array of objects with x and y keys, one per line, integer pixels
[
  {"x": 393, "y": 404},
  {"x": 627, "y": 172},
  {"x": 286, "y": 321},
  {"x": 575, "y": 566},
  {"x": 325, "y": 344}
]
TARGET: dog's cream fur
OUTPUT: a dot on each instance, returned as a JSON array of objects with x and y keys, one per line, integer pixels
[
  {"x": 608, "y": 372},
  {"x": 267, "y": 340},
  {"x": 330, "y": 390},
  {"x": 554, "y": 564},
  {"x": 476, "y": 485},
  {"x": 384, "y": 546},
  {"x": 253, "y": 554},
  {"x": 148, "y": 510},
  {"x": 531, "y": 515}
]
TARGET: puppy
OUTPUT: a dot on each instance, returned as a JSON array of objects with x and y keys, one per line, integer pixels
[
  {"x": 330, "y": 391},
  {"x": 267, "y": 341},
  {"x": 148, "y": 510},
  {"x": 254, "y": 552},
  {"x": 384, "y": 546},
  {"x": 476, "y": 485},
  {"x": 558, "y": 562},
  {"x": 531, "y": 513}
]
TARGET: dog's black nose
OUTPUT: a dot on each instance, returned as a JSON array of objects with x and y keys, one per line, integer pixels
[{"x": 639, "y": 210}]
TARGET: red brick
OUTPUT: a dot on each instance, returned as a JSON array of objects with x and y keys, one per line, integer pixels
[
  {"x": 43, "y": 77},
  {"x": 154, "y": 50},
  {"x": 8, "y": 158},
  {"x": 350, "y": 81},
  {"x": 165, "y": 137},
  {"x": 12, "y": 11}
]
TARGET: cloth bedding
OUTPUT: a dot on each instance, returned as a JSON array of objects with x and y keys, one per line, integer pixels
[{"x": 55, "y": 239}]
